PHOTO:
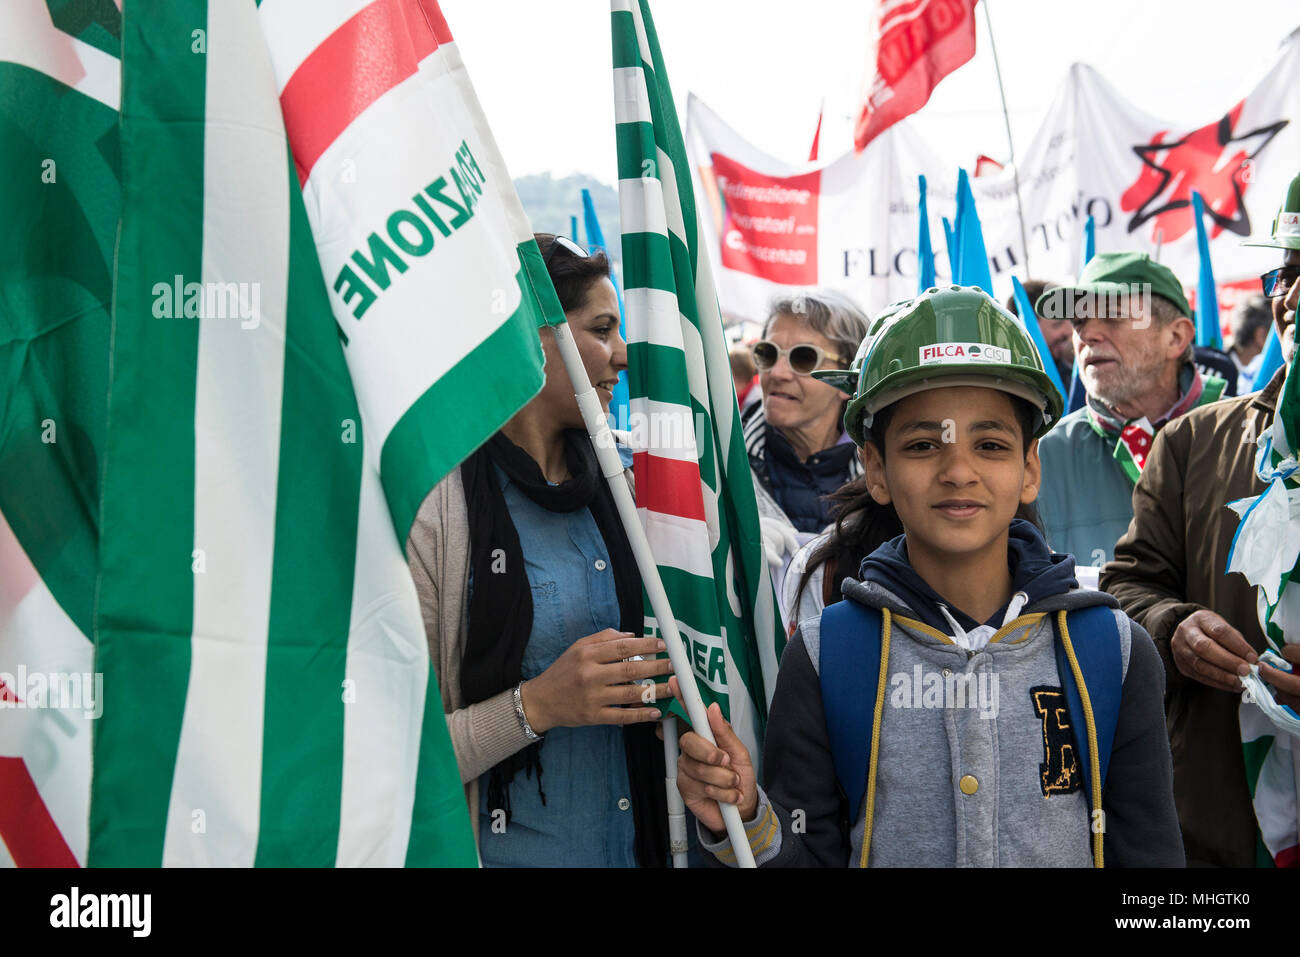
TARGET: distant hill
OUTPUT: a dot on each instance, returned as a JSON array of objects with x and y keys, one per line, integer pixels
[{"x": 549, "y": 203}]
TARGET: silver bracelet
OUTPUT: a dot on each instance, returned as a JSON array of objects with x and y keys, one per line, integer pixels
[{"x": 523, "y": 718}]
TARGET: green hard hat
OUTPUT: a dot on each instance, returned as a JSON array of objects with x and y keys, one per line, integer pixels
[
  {"x": 1286, "y": 227},
  {"x": 953, "y": 336},
  {"x": 846, "y": 380}
]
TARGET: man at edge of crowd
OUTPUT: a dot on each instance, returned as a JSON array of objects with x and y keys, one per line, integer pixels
[
  {"x": 1168, "y": 574},
  {"x": 1133, "y": 335}
]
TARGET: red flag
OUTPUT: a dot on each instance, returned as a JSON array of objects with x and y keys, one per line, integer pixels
[
  {"x": 920, "y": 42},
  {"x": 986, "y": 165}
]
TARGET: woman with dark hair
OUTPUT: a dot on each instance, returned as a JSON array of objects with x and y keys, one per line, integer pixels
[{"x": 532, "y": 607}]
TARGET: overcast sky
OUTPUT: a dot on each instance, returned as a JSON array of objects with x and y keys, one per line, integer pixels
[{"x": 542, "y": 69}]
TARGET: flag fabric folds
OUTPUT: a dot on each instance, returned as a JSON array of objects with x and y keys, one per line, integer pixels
[
  {"x": 971, "y": 260},
  {"x": 919, "y": 42},
  {"x": 618, "y": 406},
  {"x": 1208, "y": 332},
  {"x": 216, "y": 488},
  {"x": 59, "y": 96},
  {"x": 1266, "y": 550},
  {"x": 1029, "y": 319},
  {"x": 1272, "y": 359},
  {"x": 924, "y": 249},
  {"x": 242, "y": 495},
  {"x": 694, "y": 490}
]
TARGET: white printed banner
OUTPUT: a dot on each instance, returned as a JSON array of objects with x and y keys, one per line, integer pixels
[{"x": 851, "y": 223}]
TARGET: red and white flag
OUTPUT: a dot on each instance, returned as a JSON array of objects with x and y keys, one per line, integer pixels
[{"x": 919, "y": 42}]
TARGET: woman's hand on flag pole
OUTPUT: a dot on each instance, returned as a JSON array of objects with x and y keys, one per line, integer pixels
[
  {"x": 709, "y": 774},
  {"x": 596, "y": 681}
]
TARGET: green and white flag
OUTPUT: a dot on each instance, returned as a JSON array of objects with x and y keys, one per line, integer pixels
[
  {"x": 268, "y": 693},
  {"x": 267, "y": 429},
  {"x": 693, "y": 485},
  {"x": 59, "y": 86},
  {"x": 1266, "y": 550}
]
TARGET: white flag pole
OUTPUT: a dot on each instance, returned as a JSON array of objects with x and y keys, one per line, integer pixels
[
  {"x": 1011, "y": 144},
  {"x": 612, "y": 468},
  {"x": 676, "y": 806}
]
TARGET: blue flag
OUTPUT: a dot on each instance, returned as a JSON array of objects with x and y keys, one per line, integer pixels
[
  {"x": 1207, "y": 296},
  {"x": 972, "y": 266},
  {"x": 1029, "y": 319},
  {"x": 619, "y": 406},
  {"x": 924, "y": 251},
  {"x": 950, "y": 241},
  {"x": 1271, "y": 360}
]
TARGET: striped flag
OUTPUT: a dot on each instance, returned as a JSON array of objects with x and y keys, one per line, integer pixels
[
  {"x": 299, "y": 318},
  {"x": 59, "y": 86},
  {"x": 694, "y": 490},
  {"x": 1266, "y": 550}
]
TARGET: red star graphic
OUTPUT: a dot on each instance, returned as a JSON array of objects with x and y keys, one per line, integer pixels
[{"x": 1204, "y": 160}]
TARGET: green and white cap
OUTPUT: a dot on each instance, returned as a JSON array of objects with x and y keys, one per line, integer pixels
[
  {"x": 946, "y": 337},
  {"x": 1286, "y": 227}
]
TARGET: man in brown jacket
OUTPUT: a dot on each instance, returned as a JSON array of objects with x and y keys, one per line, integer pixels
[{"x": 1168, "y": 574}]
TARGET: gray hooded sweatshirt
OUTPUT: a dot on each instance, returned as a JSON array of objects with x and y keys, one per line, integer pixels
[{"x": 985, "y": 777}]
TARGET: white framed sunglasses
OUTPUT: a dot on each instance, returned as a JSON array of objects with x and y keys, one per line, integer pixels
[
  {"x": 566, "y": 244},
  {"x": 803, "y": 358}
]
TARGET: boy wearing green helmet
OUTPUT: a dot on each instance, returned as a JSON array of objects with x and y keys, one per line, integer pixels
[{"x": 966, "y": 704}]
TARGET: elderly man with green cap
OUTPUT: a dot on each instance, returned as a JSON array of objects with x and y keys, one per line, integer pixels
[
  {"x": 1168, "y": 574},
  {"x": 1133, "y": 339}
]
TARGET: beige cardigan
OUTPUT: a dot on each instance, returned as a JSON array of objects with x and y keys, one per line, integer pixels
[{"x": 437, "y": 550}]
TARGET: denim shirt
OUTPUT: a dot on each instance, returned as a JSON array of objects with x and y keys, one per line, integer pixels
[{"x": 587, "y": 819}]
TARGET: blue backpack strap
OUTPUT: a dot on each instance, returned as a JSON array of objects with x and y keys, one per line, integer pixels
[
  {"x": 1089, "y": 660},
  {"x": 850, "y": 667}
]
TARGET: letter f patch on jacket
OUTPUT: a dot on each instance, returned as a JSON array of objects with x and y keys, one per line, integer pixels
[{"x": 1059, "y": 772}]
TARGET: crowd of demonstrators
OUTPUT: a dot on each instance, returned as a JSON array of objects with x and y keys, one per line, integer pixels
[
  {"x": 1169, "y": 574},
  {"x": 969, "y": 597},
  {"x": 929, "y": 708},
  {"x": 794, "y": 437},
  {"x": 1250, "y": 325},
  {"x": 532, "y": 605},
  {"x": 1135, "y": 354},
  {"x": 1056, "y": 332}
]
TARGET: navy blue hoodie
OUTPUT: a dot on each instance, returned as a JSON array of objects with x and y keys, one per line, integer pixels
[{"x": 1035, "y": 570}]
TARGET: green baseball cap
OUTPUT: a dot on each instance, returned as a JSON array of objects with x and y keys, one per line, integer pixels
[
  {"x": 1109, "y": 280},
  {"x": 950, "y": 337},
  {"x": 1286, "y": 227}
]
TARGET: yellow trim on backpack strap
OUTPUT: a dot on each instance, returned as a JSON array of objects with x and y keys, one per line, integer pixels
[
  {"x": 1032, "y": 618},
  {"x": 922, "y": 627},
  {"x": 881, "y": 684},
  {"x": 1094, "y": 759}
]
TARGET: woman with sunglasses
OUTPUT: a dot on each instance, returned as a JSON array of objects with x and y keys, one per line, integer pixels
[
  {"x": 795, "y": 437},
  {"x": 532, "y": 606}
]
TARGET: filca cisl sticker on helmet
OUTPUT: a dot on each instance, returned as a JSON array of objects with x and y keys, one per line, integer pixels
[
  {"x": 1288, "y": 223},
  {"x": 949, "y": 352}
]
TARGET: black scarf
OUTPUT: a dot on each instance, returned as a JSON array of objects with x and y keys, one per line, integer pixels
[{"x": 501, "y": 617}]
